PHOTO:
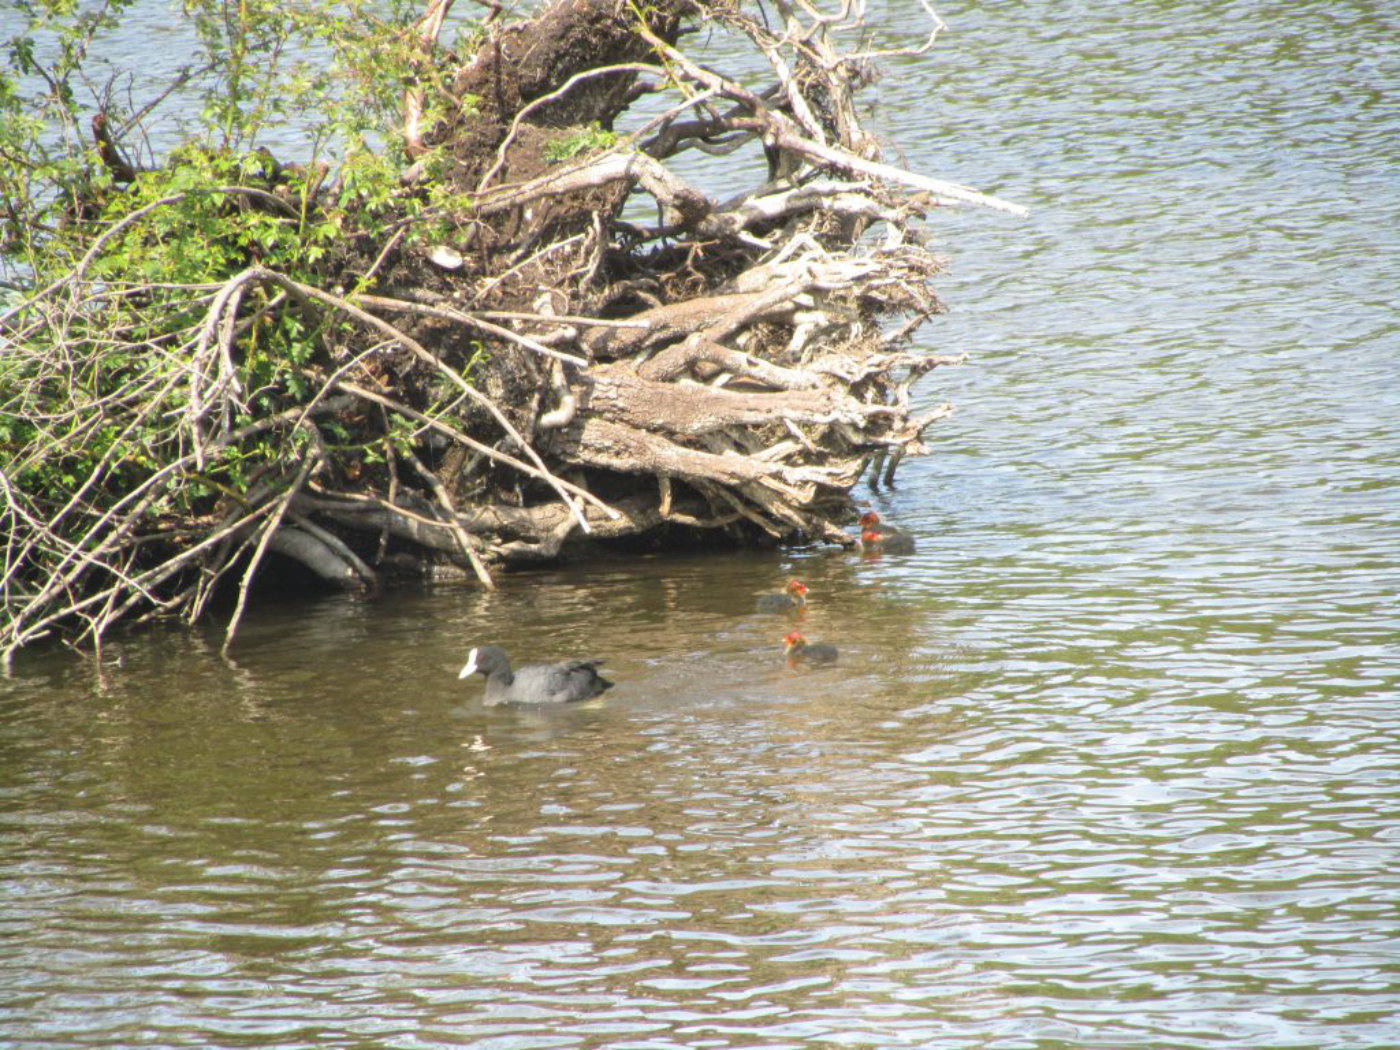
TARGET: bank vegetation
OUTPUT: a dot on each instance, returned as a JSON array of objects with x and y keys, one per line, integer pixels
[{"x": 481, "y": 317}]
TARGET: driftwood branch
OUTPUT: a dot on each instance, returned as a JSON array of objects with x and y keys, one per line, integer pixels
[{"x": 548, "y": 371}]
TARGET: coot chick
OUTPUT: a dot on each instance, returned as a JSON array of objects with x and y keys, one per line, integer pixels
[
  {"x": 559, "y": 683},
  {"x": 877, "y": 536},
  {"x": 793, "y": 597},
  {"x": 801, "y": 651}
]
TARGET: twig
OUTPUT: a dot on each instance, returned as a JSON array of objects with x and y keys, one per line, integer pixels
[
  {"x": 308, "y": 462},
  {"x": 450, "y": 511},
  {"x": 447, "y": 314},
  {"x": 786, "y": 136},
  {"x": 563, "y": 89},
  {"x": 562, "y": 319},
  {"x": 472, "y": 443},
  {"x": 452, "y": 375}
]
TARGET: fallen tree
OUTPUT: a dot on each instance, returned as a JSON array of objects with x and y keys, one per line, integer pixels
[{"x": 519, "y": 328}]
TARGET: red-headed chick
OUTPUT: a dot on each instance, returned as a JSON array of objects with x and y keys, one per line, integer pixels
[
  {"x": 790, "y": 599},
  {"x": 877, "y": 536},
  {"x": 801, "y": 651}
]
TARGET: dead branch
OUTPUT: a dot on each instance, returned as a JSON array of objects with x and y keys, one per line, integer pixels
[{"x": 550, "y": 372}]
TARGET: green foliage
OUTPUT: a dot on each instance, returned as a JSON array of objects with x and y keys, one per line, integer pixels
[
  {"x": 329, "y": 73},
  {"x": 108, "y": 381},
  {"x": 579, "y": 142}
]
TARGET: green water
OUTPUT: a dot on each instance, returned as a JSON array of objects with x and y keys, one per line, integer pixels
[{"x": 1111, "y": 761}]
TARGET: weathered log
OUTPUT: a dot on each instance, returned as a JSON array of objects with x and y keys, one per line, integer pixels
[
  {"x": 630, "y": 450},
  {"x": 667, "y": 323},
  {"x": 693, "y": 409},
  {"x": 689, "y": 355}
]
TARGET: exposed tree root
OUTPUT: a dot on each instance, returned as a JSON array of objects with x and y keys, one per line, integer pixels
[{"x": 563, "y": 374}]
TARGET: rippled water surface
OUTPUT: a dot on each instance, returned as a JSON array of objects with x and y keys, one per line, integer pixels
[{"x": 1112, "y": 761}]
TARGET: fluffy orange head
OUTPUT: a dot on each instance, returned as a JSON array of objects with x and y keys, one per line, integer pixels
[
  {"x": 869, "y": 519},
  {"x": 794, "y": 640},
  {"x": 796, "y": 587}
]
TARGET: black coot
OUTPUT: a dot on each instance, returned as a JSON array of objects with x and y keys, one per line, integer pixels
[
  {"x": 801, "y": 651},
  {"x": 558, "y": 683},
  {"x": 877, "y": 536},
  {"x": 791, "y": 598}
]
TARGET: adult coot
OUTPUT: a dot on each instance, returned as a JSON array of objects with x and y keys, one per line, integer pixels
[
  {"x": 534, "y": 683},
  {"x": 794, "y": 596},
  {"x": 801, "y": 651},
  {"x": 877, "y": 536}
]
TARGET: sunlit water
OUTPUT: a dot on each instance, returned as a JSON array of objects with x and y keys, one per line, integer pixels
[{"x": 1112, "y": 761}]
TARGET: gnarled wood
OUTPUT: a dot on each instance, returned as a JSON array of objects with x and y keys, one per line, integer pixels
[
  {"x": 690, "y": 409},
  {"x": 541, "y": 372}
]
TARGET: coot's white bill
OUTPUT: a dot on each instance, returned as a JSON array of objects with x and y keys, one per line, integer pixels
[{"x": 470, "y": 668}]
